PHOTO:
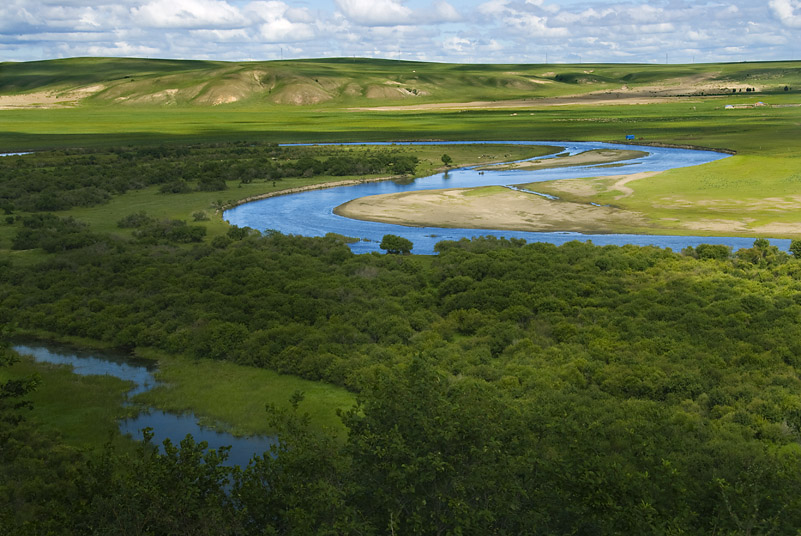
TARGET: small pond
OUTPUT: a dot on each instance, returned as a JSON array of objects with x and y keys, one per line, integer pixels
[{"x": 165, "y": 425}]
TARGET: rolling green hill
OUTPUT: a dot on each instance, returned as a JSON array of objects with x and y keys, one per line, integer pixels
[{"x": 354, "y": 82}]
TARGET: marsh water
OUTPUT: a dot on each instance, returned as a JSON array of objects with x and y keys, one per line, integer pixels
[
  {"x": 311, "y": 213},
  {"x": 165, "y": 425}
]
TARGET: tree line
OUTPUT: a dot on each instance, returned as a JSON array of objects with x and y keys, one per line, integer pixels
[{"x": 58, "y": 180}]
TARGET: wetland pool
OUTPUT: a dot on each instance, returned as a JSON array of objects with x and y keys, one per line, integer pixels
[{"x": 140, "y": 372}]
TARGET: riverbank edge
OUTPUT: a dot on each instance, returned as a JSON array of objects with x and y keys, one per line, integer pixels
[
  {"x": 309, "y": 188},
  {"x": 352, "y": 182},
  {"x": 678, "y": 146}
]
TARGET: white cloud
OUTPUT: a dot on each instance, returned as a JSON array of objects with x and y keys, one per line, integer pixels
[
  {"x": 376, "y": 12},
  {"x": 535, "y": 26},
  {"x": 283, "y": 31},
  {"x": 439, "y": 30},
  {"x": 388, "y": 13},
  {"x": 222, "y": 36},
  {"x": 278, "y": 23},
  {"x": 493, "y": 8},
  {"x": 788, "y": 12},
  {"x": 122, "y": 49},
  {"x": 188, "y": 14},
  {"x": 458, "y": 44},
  {"x": 444, "y": 12}
]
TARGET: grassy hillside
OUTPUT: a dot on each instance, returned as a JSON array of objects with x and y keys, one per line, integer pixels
[{"x": 360, "y": 81}]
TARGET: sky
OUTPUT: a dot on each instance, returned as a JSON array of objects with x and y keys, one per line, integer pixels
[{"x": 473, "y": 31}]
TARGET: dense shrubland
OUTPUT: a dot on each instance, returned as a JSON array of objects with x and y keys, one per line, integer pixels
[
  {"x": 60, "y": 180},
  {"x": 506, "y": 387}
]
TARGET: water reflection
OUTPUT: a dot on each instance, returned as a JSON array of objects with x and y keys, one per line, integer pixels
[{"x": 165, "y": 425}]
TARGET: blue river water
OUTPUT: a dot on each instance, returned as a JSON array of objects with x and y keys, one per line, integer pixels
[
  {"x": 165, "y": 425},
  {"x": 311, "y": 213}
]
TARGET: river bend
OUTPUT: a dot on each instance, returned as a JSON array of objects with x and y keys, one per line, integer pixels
[{"x": 311, "y": 213}]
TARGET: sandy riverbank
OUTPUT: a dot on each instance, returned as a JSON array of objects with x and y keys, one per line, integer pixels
[
  {"x": 491, "y": 207},
  {"x": 498, "y": 207}
]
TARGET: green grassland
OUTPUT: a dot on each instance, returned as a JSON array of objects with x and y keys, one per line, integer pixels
[
  {"x": 766, "y": 139},
  {"x": 233, "y": 397},
  {"x": 259, "y": 113},
  {"x": 349, "y": 81},
  {"x": 82, "y": 410}
]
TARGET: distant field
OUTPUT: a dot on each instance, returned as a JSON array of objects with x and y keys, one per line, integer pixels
[
  {"x": 121, "y": 101},
  {"x": 107, "y": 102},
  {"x": 753, "y": 192}
]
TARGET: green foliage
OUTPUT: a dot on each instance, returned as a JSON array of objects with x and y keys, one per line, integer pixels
[
  {"x": 505, "y": 387},
  {"x": 174, "y": 231},
  {"x": 179, "y": 491},
  {"x": 446, "y": 159},
  {"x": 53, "y": 234},
  {"x": 60, "y": 180},
  {"x": 396, "y": 244},
  {"x": 13, "y": 393},
  {"x": 762, "y": 254},
  {"x": 135, "y": 221},
  {"x": 795, "y": 248},
  {"x": 713, "y": 251}
]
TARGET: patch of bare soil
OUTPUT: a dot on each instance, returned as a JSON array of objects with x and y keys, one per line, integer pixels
[
  {"x": 489, "y": 208},
  {"x": 587, "y": 188},
  {"x": 301, "y": 93},
  {"x": 599, "y": 98},
  {"x": 47, "y": 99},
  {"x": 385, "y": 92},
  {"x": 779, "y": 229}
]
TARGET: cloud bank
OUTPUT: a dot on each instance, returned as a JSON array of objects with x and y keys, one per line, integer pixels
[{"x": 493, "y": 31}]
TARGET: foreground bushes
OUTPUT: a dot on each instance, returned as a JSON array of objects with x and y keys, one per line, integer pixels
[{"x": 505, "y": 388}]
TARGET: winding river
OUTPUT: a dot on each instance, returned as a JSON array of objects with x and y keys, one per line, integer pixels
[
  {"x": 165, "y": 425},
  {"x": 311, "y": 213}
]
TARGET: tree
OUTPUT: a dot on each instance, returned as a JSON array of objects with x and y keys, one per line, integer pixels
[
  {"x": 182, "y": 491},
  {"x": 13, "y": 392},
  {"x": 446, "y": 159},
  {"x": 396, "y": 244},
  {"x": 712, "y": 251},
  {"x": 795, "y": 248}
]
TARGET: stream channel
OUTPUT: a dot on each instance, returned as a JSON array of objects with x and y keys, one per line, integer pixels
[
  {"x": 140, "y": 372},
  {"x": 311, "y": 213}
]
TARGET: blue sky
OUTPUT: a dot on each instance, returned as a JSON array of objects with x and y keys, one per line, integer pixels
[{"x": 476, "y": 31}]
